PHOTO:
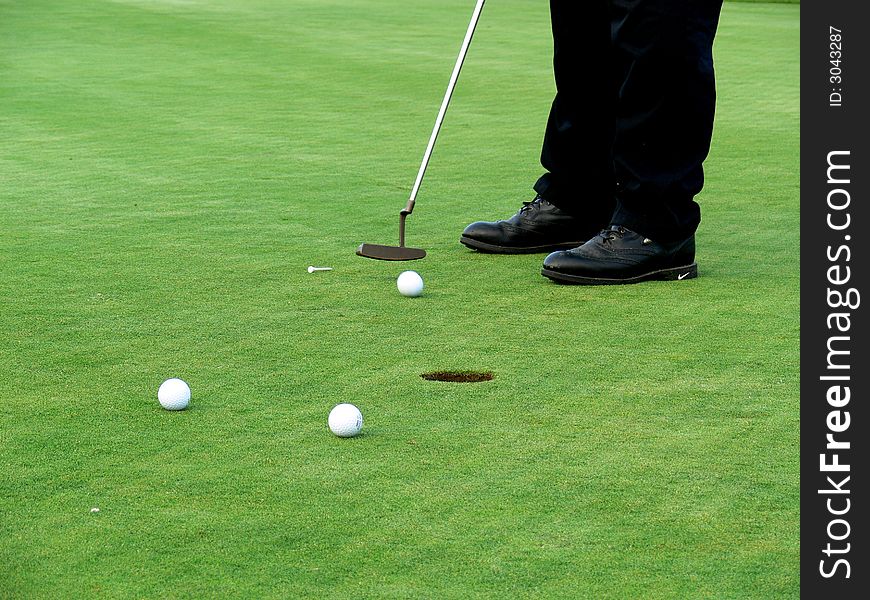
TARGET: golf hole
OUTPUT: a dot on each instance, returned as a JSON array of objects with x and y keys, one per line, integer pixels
[{"x": 458, "y": 376}]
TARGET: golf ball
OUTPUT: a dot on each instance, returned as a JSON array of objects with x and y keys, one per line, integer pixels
[
  {"x": 345, "y": 420},
  {"x": 174, "y": 394},
  {"x": 410, "y": 284}
]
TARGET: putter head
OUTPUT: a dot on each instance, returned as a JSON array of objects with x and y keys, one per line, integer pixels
[{"x": 390, "y": 252}]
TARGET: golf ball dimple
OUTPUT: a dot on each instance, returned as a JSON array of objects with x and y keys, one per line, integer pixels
[
  {"x": 410, "y": 284},
  {"x": 174, "y": 394},
  {"x": 345, "y": 420}
]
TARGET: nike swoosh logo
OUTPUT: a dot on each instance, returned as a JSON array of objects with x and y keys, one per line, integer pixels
[{"x": 683, "y": 276}]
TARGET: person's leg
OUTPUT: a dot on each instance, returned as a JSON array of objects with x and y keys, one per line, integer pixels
[
  {"x": 576, "y": 195},
  {"x": 577, "y": 142},
  {"x": 664, "y": 119},
  {"x": 664, "y": 123}
]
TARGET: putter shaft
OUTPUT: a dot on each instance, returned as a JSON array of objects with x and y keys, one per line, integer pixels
[
  {"x": 402, "y": 252},
  {"x": 454, "y": 77}
]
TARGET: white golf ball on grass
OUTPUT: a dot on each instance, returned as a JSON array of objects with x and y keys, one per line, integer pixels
[
  {"x": 410, "y": 284},
  {"x": 174, "y": 394},
  {"x": 345, "y": 420}
]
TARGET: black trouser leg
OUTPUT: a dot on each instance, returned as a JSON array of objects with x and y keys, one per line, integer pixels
[
  {"x": 634, "y": 104},
  {"x": 576, "y": 150},
  {"x": 664, "y": 118}
]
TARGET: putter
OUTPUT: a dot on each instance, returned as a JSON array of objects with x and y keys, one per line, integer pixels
[{"x": 402, "y": 252}]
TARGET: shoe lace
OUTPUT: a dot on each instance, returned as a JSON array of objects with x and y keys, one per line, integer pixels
[
  {"x": 532, "y": 204},
  {"x": 608, "y": 235}
]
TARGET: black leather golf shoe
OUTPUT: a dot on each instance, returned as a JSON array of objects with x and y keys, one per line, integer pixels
[
  {"x": 537, "y": 227},
  {"x": 618, "y": 255}
]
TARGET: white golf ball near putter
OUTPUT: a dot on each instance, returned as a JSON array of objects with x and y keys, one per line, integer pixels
[
  {"x": 174, "y": 394},
  {"x": 345, "y": 420},
  {"x": 410, "y": 284}
]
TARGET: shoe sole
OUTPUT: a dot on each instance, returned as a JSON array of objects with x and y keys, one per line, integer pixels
[
  {"x": 671, "y": 274},
  {"x": 493, "y": 249}
]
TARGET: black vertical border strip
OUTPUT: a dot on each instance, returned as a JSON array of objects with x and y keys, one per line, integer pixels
[{"x": 824, "y": 129}]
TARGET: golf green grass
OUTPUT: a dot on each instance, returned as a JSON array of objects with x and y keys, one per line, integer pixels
[{"x": 168, "y": 170}]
